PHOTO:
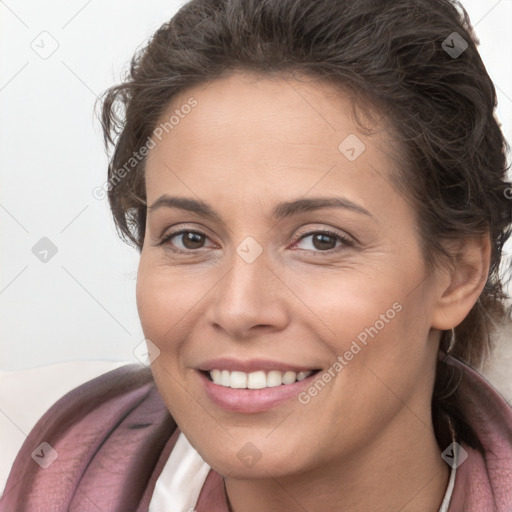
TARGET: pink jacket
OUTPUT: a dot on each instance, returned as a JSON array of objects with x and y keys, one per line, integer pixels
[{"x": 114, "y": 434}]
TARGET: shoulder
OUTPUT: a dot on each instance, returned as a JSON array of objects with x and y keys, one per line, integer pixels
[
  {"x": 105, "y": 434},
  {"x": 484, "y": 477},
  {"x": 27, "y": 393},
  {"x": 105, "y": 396}
]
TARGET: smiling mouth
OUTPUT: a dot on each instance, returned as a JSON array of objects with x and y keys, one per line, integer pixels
[{"x": 256, "y": 380}]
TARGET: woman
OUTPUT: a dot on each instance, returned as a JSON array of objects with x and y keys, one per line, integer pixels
[{"x": 317, "y": 191}]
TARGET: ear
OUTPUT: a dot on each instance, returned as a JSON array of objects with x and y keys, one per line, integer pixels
[{"x": 462, "y": 283}]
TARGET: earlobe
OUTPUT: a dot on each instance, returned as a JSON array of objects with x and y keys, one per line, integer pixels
[{"x": 462, "y": 284}]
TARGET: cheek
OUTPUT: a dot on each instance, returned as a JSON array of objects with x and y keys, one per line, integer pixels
[
  {"x": 378, "y": 335},
  {"x": 352, "y": 306},
  {"x": 385, "y": 303},
  {"x": 166, "y": 301},
  {"x": 153, "y": 303}
]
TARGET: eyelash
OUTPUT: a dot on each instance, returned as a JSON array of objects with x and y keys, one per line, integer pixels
[{"x": 344, "y": 240}]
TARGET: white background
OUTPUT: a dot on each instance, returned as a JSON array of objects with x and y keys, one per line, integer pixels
[{"x": 80, "y": 305}]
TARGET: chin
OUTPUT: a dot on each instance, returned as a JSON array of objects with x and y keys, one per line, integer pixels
[{"x": 250, "y": 457}]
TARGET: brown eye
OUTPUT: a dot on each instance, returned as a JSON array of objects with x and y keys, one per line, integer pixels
[
  {"x": 190, "y": 240},
  {"x": 324, "y": 242}
]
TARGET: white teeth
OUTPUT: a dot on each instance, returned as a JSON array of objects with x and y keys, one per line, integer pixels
[
  {"x": 274, "y": 379},
  {"x": 289, "y": 377},
  {"x": 216, "y": 375},
  {"x": 225, "y": 378},
  {"x": 256, "y": 380},
  {"x": 238, "y": 380}
]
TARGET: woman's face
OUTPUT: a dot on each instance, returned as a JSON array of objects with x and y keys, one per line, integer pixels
[{"x": 287, "y": 249}]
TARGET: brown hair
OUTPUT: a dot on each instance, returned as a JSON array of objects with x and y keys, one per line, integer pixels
[{"x": 395, "y": 52}]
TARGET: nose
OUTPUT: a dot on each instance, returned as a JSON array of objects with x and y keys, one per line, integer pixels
[{"x": 249, "y": 300}]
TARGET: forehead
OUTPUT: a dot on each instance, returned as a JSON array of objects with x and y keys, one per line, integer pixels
[
  {"x": 265, "y": 133},
  {"x": 271, "y": 106}
]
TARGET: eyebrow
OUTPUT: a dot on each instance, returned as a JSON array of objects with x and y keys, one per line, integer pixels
[{"x": 280, "y": 211}]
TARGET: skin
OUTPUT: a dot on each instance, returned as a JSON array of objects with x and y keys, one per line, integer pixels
[{"x": 365, "y": 442}]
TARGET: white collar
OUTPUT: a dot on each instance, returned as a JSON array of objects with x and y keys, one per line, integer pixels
[
  {"x": 449, "y": 490},
  {"x": 181, "y": 480}
]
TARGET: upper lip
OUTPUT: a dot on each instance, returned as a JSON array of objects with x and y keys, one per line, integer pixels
[{"x": 251, "y": 365}]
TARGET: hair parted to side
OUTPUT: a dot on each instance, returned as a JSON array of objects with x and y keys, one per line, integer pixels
[{"x": 388, "y": 51}]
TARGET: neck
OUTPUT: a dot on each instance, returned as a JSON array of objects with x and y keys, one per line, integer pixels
[{"x": 401, "y": 470}]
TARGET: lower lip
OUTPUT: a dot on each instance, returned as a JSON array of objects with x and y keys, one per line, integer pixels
[{"x": 252, "y": 400}]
